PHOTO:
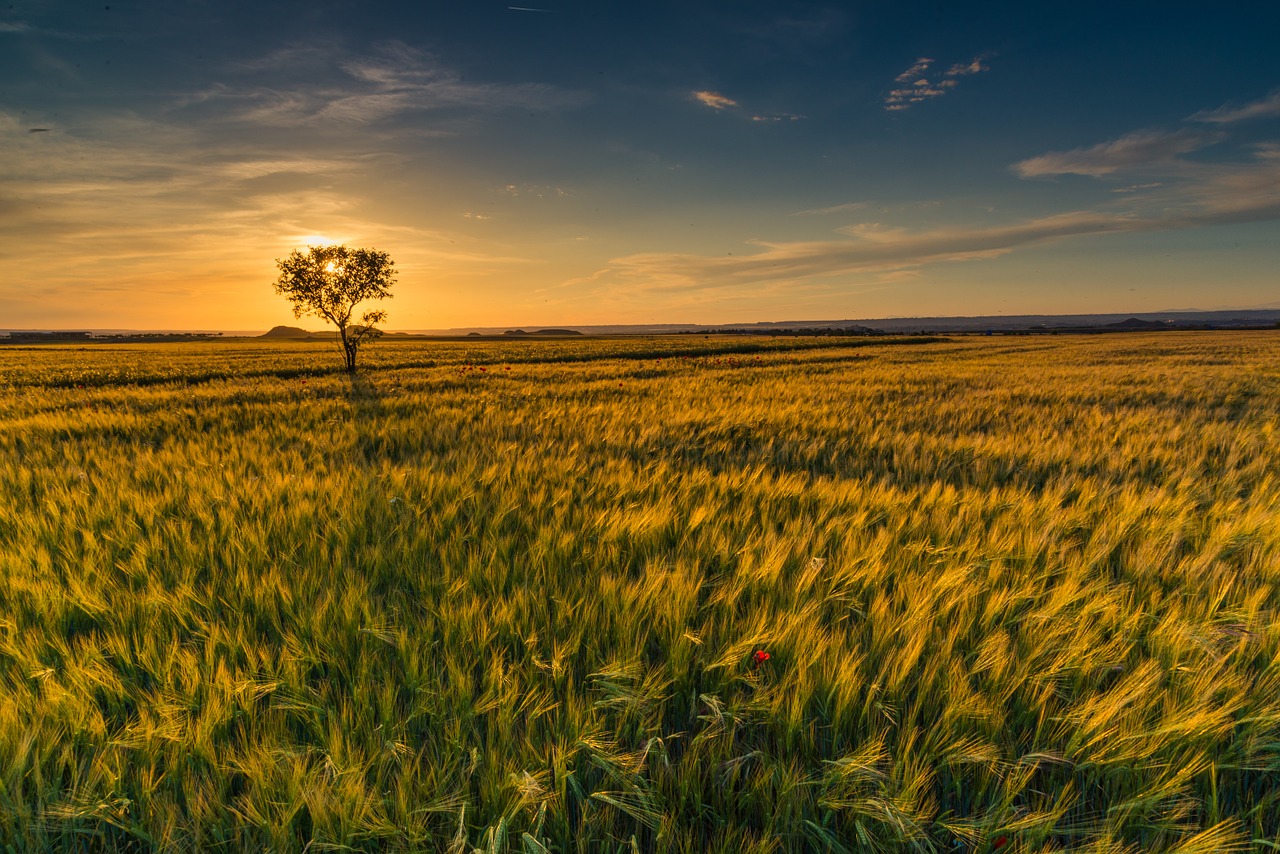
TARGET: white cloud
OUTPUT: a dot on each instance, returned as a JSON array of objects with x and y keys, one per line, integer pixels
[
  {"x": 973, "y": 66},
  {"x": 919, "y": 67},
  {"x": 714, "y": 100},
  {"x": 917, "y": 87},
  {"x": 1140, "y": 149},
  {"x": 1262, "y": 108}
]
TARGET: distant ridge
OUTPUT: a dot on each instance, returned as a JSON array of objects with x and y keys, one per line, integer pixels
[
  {"x": 1005, "y": 323},
  {"x": 1251, "y": 318}
]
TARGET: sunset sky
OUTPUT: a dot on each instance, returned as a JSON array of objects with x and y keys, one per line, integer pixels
[{"x": 572, "y": 162}]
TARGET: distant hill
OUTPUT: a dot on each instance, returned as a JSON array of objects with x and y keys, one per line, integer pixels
[
  {"x": 1135, "y": 323},
  {"x": 287, "y": 332},
  {"x": 295, "y": 333},
  {"x": 517, "y": 333}
]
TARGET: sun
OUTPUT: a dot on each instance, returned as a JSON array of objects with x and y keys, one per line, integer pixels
[{"x": 314, "y": 240}]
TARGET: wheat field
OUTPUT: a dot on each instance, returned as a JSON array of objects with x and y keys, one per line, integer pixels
[{"x": 1016, "y": 594}]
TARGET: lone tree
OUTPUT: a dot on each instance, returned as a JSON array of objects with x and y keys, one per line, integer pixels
[{"x": 330, "y": 281}]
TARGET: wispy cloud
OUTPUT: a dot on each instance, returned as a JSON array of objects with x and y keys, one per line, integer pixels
[
  {"x": 1137, "y": 188},
  {"x": 188, "y": 199},
  {"x": 1205, "y": 194},
  {"x": 23, "y": 27},
  {"x": 916, "y": 86},
  {"x": 873, "y": 248},
  {"x": 847, "y": 207},
  {"x": 714, "y": 100},
  {"x": 964, "y": 69},
  {"x": 1227, "y": 114},
  {"x": 537, "y": 191},
  {"x": 1140, "y": 149},
  {"x": 718, "y": 102},
  {"x": 212, "y": 170},
  {"x": 367, "y": 89},
  {"x": 917, "y": 70},
  {"x": 407, "y": 79}
]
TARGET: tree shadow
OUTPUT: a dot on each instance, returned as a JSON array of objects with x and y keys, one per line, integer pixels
[{"x": 368, "y": 417}]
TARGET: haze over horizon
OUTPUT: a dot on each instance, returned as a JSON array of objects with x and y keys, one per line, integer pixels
[{"x": 575, "y": 164}]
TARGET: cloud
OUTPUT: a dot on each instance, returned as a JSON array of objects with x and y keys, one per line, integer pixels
[
  {"x": 918, "y": 69},
  {"x": 1171, "y": 193},
  {"x": 714, "y": 100},
  {"x": 187, "y": 198},
  {"x": 847, "y": 207},
  {"x": 872, "y": 248},
  {"x": 1136, "y": 188},
  {"x": 1209, "y": 194},
  {"x": 424, "y": 83},
  {"x": 963, "y": 69},
  {"x": 1246, "y": 191},
  {"x": 312, "y": 56},
  {"x": 23, "y": 27},
  {"x": 917, "y": 87},
  {"x": 1140, "y": 149},
  {"x": 331, "y": 87},
  {"x": 1262, "y": 108},
  {"x": 539, "y": 191},
  {"x": 718, "y": 102}
]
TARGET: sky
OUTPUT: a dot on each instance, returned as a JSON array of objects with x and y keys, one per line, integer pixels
[{"x": 573, "y": 162}]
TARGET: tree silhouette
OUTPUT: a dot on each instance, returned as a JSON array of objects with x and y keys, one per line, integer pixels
[{"x": 330, "y": 281}]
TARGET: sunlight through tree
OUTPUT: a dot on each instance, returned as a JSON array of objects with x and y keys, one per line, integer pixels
[{"x": 330, "y": 281}]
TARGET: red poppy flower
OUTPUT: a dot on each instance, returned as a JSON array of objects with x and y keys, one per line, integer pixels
[
  {"x": 759, "y": 658},
  {"x": 1000, "y": 842}
]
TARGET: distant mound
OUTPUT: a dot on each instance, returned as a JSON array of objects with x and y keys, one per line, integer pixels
[
  {"x": 517, "y": 333},
  {"x": 286, "y": 332},
  {"x": 1135, "y": 323}
]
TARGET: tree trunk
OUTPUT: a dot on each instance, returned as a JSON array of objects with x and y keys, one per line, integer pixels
[{"x": 348, "y": 350}]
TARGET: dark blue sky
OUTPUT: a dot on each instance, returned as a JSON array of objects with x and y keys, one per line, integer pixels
[{"x": 600, "y": 162}]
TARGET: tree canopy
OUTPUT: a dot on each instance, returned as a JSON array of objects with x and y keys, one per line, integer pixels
[{"x": 330, "y": 281}]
